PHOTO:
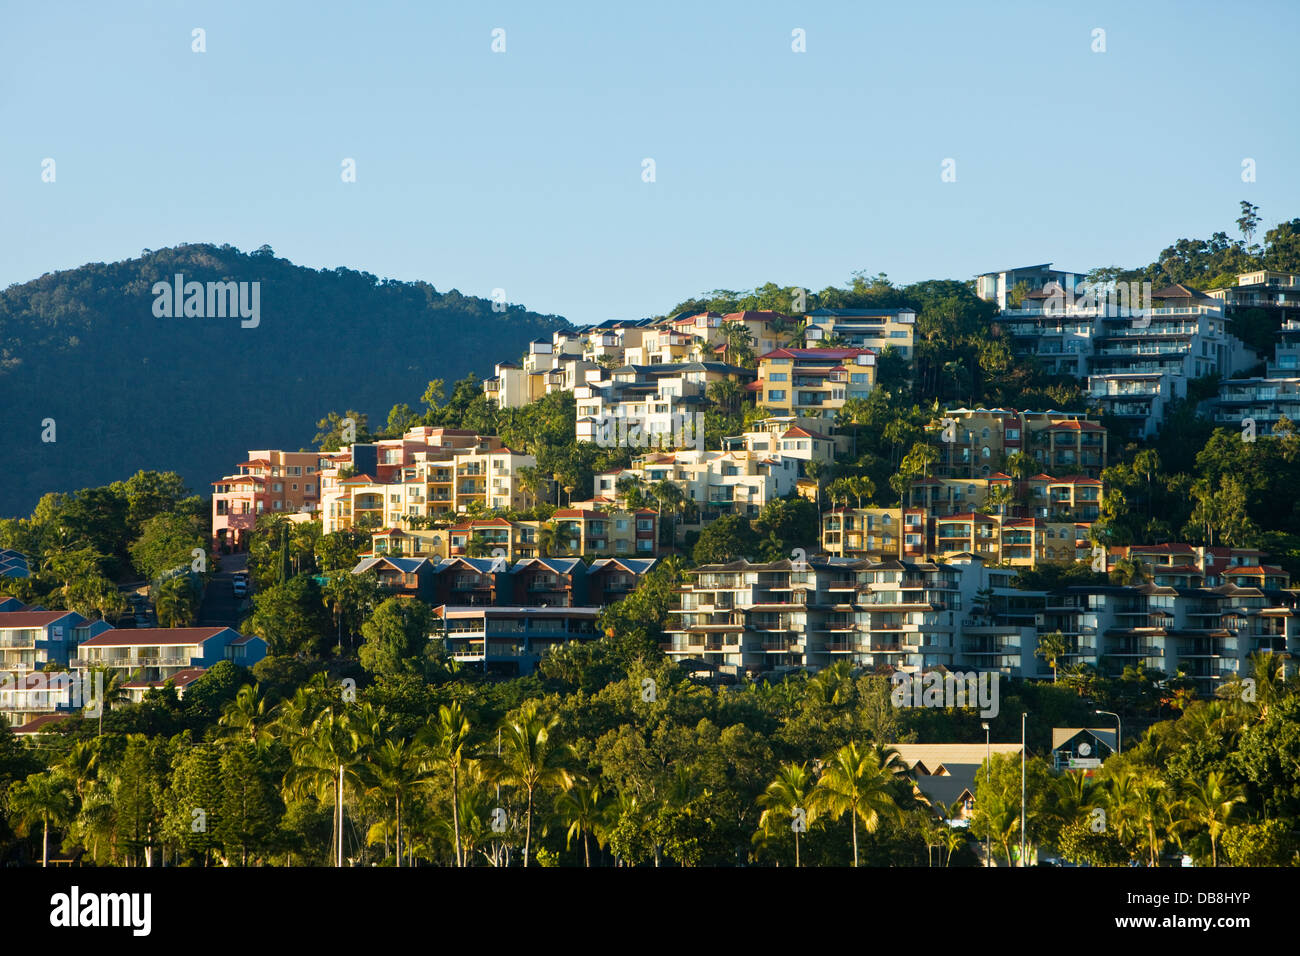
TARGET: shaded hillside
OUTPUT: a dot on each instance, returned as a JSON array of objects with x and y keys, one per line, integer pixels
[{"x": 129, "y": 390}]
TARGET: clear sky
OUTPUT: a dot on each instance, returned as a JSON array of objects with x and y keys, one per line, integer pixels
[{"x": 523, "y": 170}]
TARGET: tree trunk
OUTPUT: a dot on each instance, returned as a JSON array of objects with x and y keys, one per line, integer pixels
[
  {"x": 854, "y": 821},
  {"x": 399, "y": 831},
  {"x": 45, "y": 845},
  {"x": 455, "y": 810},
  {"x": 528, "y": 829},
  {"x": 586, "y": 851}
]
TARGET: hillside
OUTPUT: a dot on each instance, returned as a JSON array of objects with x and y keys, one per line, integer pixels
[{"x": 129, "y": 389}]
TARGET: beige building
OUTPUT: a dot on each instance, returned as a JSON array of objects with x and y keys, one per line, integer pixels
[{"x": 813, "y": 383}]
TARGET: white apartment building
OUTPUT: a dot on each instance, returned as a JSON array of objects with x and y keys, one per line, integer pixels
[
  {"x": 657, "y": 398},
  {"x": 718, "y": 482}
]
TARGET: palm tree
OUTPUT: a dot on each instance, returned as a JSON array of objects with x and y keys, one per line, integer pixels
[
  {"x": 739, "y": 342},
  {"x": 450, "y": 743},
  {"x": 1210, "y": 805},
  {"x": 44, "y": 798},
  {"x": 582, "y": 809},
  {"x": 329, "y": 760},
  {"x": 548, "y": 536},
  {"x": 249, "y": 717},
  {"x": 727, "y": 393},
  {"x": 175, "y": 604},
  {"x": 395, "y": 769},
  {"x": 111, "y": 680},
  {"x": 786, "y": 801},
  {"x": 1051, "y": 648},
  {"x": 860, "y": 784},
  {"x": 532, "y": 760}
]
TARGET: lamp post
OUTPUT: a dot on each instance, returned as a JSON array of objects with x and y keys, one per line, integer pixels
[
  {"x": 1022, "y": 787},
  {"x": 988, "y": 769},
  {"x": 1119, "y": 730}
]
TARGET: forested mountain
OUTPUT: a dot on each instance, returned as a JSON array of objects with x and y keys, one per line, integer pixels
[{"x": 130, "y": 390}]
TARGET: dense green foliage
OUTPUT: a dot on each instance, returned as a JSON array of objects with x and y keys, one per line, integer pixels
[{"x": 128, "y": 390}]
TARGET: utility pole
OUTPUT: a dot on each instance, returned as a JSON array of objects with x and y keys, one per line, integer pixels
[{"x": 339, "y": 796}]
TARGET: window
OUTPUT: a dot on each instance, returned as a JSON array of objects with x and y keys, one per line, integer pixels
[
  {"x": 277, "y": 486},
  {"x": 294, "y": 486},
  {"x": 858, "y": 378},
  {"x": 776, "y": 395},
  {"x": 778, "y": 377}
]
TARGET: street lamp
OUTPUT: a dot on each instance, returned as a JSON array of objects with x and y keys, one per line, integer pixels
[
  {"x": 1119, "y": 730},
  {"x": 988, "y": 769},
  {"x": 1022, "y": 788}
]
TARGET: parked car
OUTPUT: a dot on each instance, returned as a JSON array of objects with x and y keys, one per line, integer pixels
[{"x": 241, "y": 587}]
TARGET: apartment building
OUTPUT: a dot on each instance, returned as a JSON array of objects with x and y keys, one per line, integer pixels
[
  {"x": 13, "y": 564},
  {"x": 1267, "y": 400},
  {"x": 768, "y": 618},
  {"x": 915, "y": 616},
  {"x": 1137, "y": 356},
  {"x": 556, "y": 365},
  {"x": 1277, "y": 293},
  {"x": 658, "y": 399},
  {"x": 509, "y": 641},
  {"x": 1196, "y": 566},
  {"x": 873, "y": 329},
  {"x": 982, "y": 439},
  {"x": 427, "y": 483},
  {"x": 1207, "y": 634},
  {"x": 152, "y": 658},
  {"x": 717, "y": 482},
  {"x": 269, "y": 482},
  {"x": 27, "y": 696},
  {"x": 1004, "y": 286},
  {"x": 813, "y": 383},
  {"x": 918, "y": 534},
  {"x": 504, "y": 620},
  {"x": 1075, "y": 498},
  {"x": 29, "y": 640},
  {"x": 607, "y": 343},
  {"x": 776, "y": 436}
]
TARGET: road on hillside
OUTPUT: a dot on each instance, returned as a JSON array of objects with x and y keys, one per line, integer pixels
[{"x": 220, "y": 607}]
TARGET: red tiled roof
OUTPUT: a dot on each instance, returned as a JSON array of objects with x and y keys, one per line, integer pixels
[
  {"x": 31, "y": 618},
  {"x": 38, "y": 724},
  {"x": 829, "y": 355},
  {"x": 179, "y": 679},
  {"x": 154, "y": 635}
]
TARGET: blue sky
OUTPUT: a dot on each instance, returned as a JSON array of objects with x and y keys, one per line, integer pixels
[{"x": 522, "y": 170}]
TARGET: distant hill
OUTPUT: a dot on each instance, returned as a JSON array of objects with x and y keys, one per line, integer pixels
[{"x": 128, "y": 389}]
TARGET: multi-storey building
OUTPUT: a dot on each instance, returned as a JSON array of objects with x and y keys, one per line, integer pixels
[
  {"x": 982, "y": 439},
  {"x": 1265, "y": 401},
  {"x": 155, "y": 657},
  {"x": 874, "y": 329},
  {"x": 13, "y": 564},
  {"x": 813, "y": 383},
  {"x": 504, "y": 619},
  {"x": 718, "y": 482},
  {"x": 1277, "y": 293},
  {"x": 657, "y": 399},
  {"x": 756, "y": 618},
  {"x": 1003, "y": 287},
  {"x": 774, "y": 436},
  {"x": 25, "y": 697},
  {"x": 1075, "y": 499},
  {"x": 30, "y": 640},
  {"x": 424, "y": 481},
  {"x": 876, "y": 533},
  {"x": 916, "y": 616},
  {"x": 270, "y": 481},
  {"x": 549, "y": 366}
]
